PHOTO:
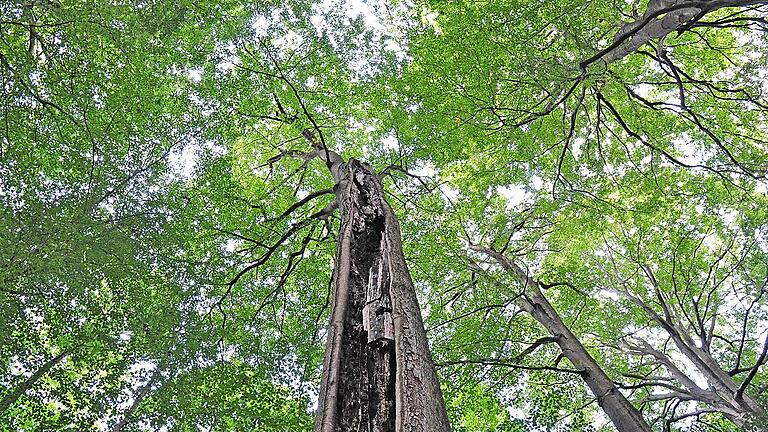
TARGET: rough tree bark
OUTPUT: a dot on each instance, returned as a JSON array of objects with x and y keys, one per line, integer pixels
[
  {"x": 378, "y": 374},
  {"x": 622, "y": 413}
]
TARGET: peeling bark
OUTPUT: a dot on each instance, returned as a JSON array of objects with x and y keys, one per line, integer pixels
[{"x": 378, "y": 375}]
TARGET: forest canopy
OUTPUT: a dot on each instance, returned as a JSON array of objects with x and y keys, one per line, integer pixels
[{"x": 574, "y": 191}]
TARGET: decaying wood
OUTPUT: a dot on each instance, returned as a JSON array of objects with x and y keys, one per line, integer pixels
[{"x": 378, "y": 375}]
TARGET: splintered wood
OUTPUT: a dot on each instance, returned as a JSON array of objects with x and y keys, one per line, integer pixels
[{"x": 377, "y": 313}]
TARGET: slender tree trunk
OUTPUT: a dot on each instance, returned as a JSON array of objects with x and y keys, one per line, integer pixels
[
  {"x": 22, "y": 388},
  {"x": 622, "y": 413},
  {"x": 138, "y": 398},
  {"x": 378, "y": 374}
]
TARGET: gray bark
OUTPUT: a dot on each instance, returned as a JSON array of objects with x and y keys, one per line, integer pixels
[
  {"x": 723, "y": 384},
  {"x": 138, "y": 398},
  {"x": 377, "y": 373},
  {"x": 661, "y": 18},
  {"x": 723, "y": 394},
  {"x": 622, "y": 413}
]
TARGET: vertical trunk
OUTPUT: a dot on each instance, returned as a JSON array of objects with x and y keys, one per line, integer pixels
[
  {"x": 16, "y": 393},
  {"x": 378, "y": 374}
]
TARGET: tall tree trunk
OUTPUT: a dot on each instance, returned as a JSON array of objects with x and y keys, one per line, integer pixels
[
  {"x": 22, "y": 388},
  {"x": 378, "y": 374},
  {"x": 622, "y": 413}
]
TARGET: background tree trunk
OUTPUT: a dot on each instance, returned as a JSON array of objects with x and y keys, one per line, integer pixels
[
  {"x": 14, "y": 394},
  {"x": 625, "y": 417},
  {"x": 621, "y": 412},
  {"x": 138, "y": 398}
]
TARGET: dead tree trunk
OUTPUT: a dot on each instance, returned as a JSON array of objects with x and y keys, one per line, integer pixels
[
  {"x": 378, "y": 374},
  {"x": 622, "y": 413}
]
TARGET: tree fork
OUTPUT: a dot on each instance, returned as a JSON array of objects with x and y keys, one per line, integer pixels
[
  {"x": 378, "y": 374},
  {"x": 661, "y": 18}
]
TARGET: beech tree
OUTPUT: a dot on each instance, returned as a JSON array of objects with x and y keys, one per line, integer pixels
[{"x": 383, "y": 215}]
